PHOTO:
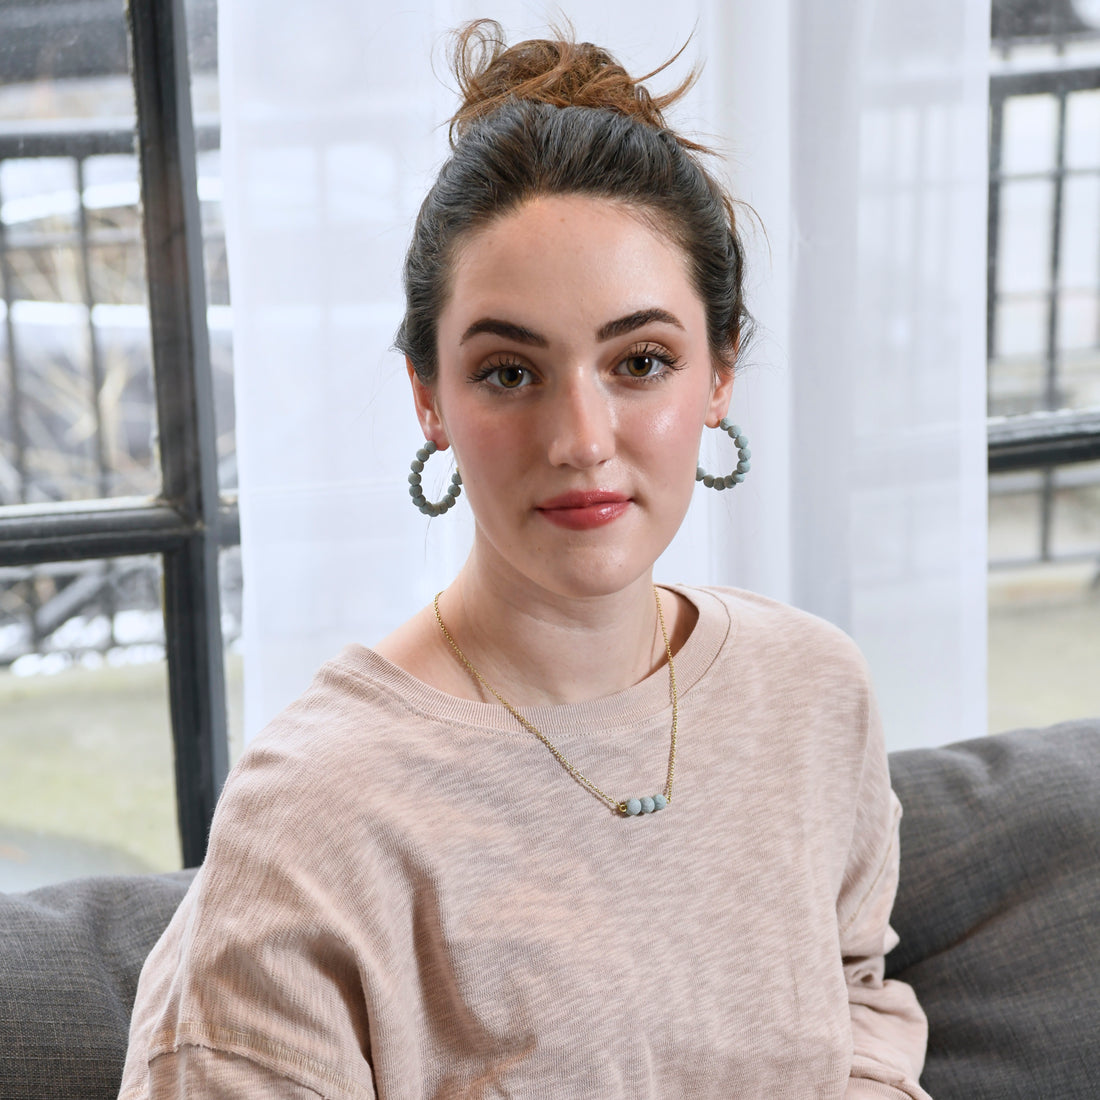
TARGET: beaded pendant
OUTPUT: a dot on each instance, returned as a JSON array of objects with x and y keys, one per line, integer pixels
[{"x": 648, "y": 805}]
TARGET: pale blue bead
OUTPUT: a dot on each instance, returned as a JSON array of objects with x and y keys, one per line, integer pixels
[
  {"x": 741, "y": 441},
  {"x": 738, "y": 478},
  {"x": 422, "y": 454},
  {"x": 700, "y": 473},
  {"x": 744, "y": 467},
  {"x": 659, "y": 802},
  {"x": 633, "y": 806},
  {"x": 733, "y": 430},
  {"x": 648, "y": 805},
  {"x": 417, "y": 465},
  {"x": 745, "y": 453}
]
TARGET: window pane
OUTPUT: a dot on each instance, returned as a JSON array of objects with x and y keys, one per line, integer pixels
[
  {"x": 46, "y": 272},
  {"x": 40, "y": 199},
  {"x": 79, "y": 415},
  {"x": 1027, "y": 218},
  {"x": 1083, "y": 130},
  {"x": 86, "y": 762},
  {"x": 1029, "y": 128},
  {"x": 1080, "y": 243}
]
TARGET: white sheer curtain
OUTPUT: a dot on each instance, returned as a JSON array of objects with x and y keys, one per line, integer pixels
[{"x": 857, "y": 132}]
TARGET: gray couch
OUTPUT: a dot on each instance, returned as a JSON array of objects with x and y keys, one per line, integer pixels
[{"x": 998, "y": 912}]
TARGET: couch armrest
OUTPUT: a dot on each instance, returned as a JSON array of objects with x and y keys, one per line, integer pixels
[
  {"x": 998, "y": 911},
  {"x": 70, "y": 956}
]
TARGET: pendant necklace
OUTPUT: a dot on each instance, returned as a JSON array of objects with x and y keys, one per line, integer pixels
[{"x": 628, "y": 807}]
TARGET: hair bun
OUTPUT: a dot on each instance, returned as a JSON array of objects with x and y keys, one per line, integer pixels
[{"x": 558, "y": 71}]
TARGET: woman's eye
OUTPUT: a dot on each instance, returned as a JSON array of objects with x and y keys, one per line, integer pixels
[
  {"x": 508, "y": 377},
  {"x": 642, "y": 366}
]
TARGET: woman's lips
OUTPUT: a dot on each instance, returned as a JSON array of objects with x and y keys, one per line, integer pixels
[{"x": 581, "y": 511}]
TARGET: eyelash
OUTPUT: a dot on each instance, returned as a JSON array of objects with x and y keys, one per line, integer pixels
[{"x": 644, "y": 351}]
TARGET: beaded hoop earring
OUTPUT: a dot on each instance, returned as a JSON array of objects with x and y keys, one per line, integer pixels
[
  {"x": 421, "y": 502},
  {"x": 743, "y": 464}
]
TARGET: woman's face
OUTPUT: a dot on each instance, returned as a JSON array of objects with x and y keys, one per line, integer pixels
[{"x": 574, "y": 380}]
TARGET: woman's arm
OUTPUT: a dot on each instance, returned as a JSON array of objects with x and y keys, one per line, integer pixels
[
  {"x": 256, "y": 987},
  {"x": 889, "y": 1030}
]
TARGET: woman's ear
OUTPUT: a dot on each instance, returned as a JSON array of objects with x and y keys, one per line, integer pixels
[
  {"x": 720, "y": 396},
  {"x": 427, "y": 409}
]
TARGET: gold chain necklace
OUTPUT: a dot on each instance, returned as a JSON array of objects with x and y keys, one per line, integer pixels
[{"x": 629, "y": 807}]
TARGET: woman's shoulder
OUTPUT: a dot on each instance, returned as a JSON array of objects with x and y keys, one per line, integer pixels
[
  {"x": 328, "y": 752},
  {"x": 763, "y": 615},
  {"x": 352, "y": 698},
  {"x": 770, "y": 636}
]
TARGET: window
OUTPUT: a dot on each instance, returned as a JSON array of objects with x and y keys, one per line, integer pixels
[
  {"x": 1043, "y": 332},
  {"x": 113, "y": 530}
]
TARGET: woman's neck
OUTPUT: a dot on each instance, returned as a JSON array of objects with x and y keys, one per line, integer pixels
[{"x": 535, "y": 646}]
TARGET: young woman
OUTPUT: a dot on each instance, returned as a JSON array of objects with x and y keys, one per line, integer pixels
[{"x": 564, "y": 833}]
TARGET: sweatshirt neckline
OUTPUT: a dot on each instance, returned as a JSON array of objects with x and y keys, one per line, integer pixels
[{"x": 647, "y": 700}]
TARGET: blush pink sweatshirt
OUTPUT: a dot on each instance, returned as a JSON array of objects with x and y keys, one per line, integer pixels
[{"x": 406, "y": 897}]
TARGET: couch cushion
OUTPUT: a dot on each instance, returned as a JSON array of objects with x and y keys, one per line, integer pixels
[
  {"x": 70, "y": 956},
  {"x": 998, "y": 911}
]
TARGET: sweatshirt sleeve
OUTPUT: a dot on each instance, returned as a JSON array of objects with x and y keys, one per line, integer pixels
[
  {"x": 256, "y": 987},
  {"x": 889, "y": 1030}
]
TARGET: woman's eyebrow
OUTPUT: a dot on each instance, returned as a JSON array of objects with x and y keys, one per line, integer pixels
[
  {"x": 619, "y": 327},
  {"x": 635, "y": 320},
  {"x": 506, "y": 329}
]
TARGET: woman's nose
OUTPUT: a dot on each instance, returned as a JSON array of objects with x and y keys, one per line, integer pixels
[{"x": 580, "y": 425}]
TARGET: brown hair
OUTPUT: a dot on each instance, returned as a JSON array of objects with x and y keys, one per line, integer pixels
[{"x": 558, "y": 117}]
